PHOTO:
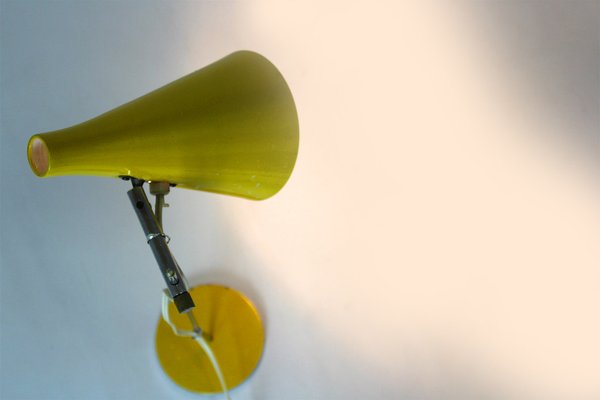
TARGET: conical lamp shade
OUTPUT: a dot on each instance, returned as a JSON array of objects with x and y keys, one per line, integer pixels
[{"x": 228, "y": 128}]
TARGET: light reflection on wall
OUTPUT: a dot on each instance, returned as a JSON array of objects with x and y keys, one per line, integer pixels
[{"x": 425, "y": 230}]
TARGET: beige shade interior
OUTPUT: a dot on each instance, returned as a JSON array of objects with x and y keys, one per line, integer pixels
[{"x": 38, "y": 156}]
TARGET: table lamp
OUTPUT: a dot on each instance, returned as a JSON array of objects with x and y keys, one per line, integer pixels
[{"x": 229, "y": 128}]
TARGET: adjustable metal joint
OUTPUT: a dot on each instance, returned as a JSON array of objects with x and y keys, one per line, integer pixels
[
  {"x": 151, "y": 236},
  {"x": 172, "y": 274}
]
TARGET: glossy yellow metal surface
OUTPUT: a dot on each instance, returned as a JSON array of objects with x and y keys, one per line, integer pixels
[
  {"x": 237, "y": 340},
  {"x": 228, "y": 128}
]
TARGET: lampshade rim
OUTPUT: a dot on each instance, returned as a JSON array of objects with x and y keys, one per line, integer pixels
[{"x": 38, "y": 156}]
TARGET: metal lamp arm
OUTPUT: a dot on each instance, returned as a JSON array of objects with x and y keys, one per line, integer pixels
[{"x": 172, "y": 274}]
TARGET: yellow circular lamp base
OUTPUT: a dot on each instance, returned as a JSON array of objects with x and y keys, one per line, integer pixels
[{"x": 237, "y": 340}]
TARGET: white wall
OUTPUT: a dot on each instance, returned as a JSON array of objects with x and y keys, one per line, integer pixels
[{"x": 439, "y": 237}]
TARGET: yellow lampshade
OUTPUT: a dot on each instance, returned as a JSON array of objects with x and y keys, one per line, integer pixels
[{"x": 228, "y": 128}]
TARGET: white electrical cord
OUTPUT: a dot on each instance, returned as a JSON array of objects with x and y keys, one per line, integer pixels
[{"x": 198, "y": 338}]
